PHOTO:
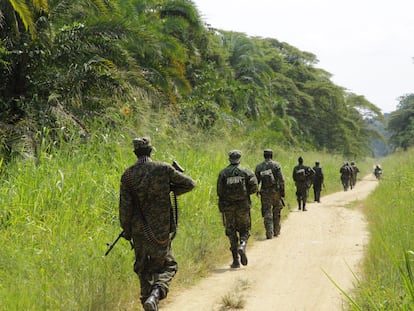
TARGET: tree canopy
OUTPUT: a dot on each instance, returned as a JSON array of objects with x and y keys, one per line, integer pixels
[{"x": 65, "y": 61}]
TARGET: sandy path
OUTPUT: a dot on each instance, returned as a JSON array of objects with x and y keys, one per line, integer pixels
[{"x": 287, "y": 273}]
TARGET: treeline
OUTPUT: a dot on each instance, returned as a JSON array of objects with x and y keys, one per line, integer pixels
[{"x": 66, "y": 63}]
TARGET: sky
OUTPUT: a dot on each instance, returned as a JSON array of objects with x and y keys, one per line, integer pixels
[{"x": 367, "y": 45}]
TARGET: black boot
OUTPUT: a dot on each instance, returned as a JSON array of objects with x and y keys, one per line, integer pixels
[
  {"x": 151, "y": 303},
  {"x": 242, "y": 252},
  {"x": 269, "y": 231},
  {"x": 304, "y": 208},
  {"x": 236, "y": 262}
]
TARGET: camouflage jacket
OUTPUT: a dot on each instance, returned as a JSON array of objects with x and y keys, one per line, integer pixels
[
  {"x": 145, "y": 197},
  {"x": 272, "y": 168},
  {"x": 247, "y": 177}
]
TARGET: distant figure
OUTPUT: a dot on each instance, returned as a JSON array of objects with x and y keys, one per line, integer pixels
[
  {"x": 302, "y": 175},
  {"x": 345, "y": 172},
  {"x": 269, "y": 175},
  {"x": 235, "y": 184},
  {"x": 317, "y": 182},
  {"x": 378, "y": 171},
  {"x": 354, "y": 174},
  {"x": 145, "y": 213}
]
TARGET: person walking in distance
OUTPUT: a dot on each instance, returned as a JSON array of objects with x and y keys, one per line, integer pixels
[
  {"x": 355, "y": 171},
  {"x": 345, "y": 172},
  {"x": 235, "y": 184},
  {"x": 145, "y": 212},
  {"x": 317, "y": 182},
  {"x": 272, "y": 191},
  {"x": 302, "y": 175}
]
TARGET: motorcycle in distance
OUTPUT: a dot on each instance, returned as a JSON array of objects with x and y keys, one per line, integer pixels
[{"x": 378, "y": 171}]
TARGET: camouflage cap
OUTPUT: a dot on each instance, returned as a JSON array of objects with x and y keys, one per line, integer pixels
[
  {"x": 268, "y": 151},
  {"x": 234, "y": 156},
  {"x": 141, "y": 142}
]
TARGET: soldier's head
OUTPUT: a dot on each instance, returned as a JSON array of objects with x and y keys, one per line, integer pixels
[
  {"x": 317, "y": 163},
  {"x": 235, "y": 156},
  {"x": 268, "y": 153},
  {"x": 142, "y": 146},
  {"x": 300, "y": 160}
]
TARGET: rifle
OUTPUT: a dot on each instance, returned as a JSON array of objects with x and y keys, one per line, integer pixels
[{"x": 111, "y": 246}]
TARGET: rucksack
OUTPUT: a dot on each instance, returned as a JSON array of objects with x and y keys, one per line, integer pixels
[
  {"x": 300, "y": 175},
  {"x": 235, "y": 186},
  {"x": 267, "y": 178}
]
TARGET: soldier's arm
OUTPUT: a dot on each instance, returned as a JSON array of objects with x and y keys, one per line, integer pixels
[
  {"x": 180, "y": 182},
  {"x": 125, "y": 207}
]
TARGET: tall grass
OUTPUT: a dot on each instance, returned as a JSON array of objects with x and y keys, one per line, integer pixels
[
  {"x": 388, "y": 279},
  {"x": 59, "y": 210}
]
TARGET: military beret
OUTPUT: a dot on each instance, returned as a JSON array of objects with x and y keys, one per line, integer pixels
[{"x": 142, "y": 142}]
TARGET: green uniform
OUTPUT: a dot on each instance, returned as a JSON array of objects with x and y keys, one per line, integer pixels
[
  {"x": 272, "y": 187},
  {"x": 236, "y": 207},
  {"x": 145, "y": 212}
]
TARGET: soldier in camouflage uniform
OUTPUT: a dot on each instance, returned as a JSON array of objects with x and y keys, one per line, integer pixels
[
  {"x": 317, "y": 181},
  {"x": 269, "y": 175},
  {"x": 145, "y": 216},
  {"x": 235, "y": 184},
  {"x": 302, "y": 175}
]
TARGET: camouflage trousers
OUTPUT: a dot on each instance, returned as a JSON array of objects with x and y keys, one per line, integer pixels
[
  {"x": 237, "y": 223},
  {"x": 302, "y": 192},
  {"x": 271, "y": 207},
  {"x": 154, "y": 265}
]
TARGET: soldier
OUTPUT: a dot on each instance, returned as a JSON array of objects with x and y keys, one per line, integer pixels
[
  {"x": 145, "y": 213},
  {"x": 317, "y": 182},
  {"x": 345, "y": 172},
  {"x": 355, "y": 171},
  {"x": 302, "y": 175},
  {"x": 269, "y": 175},
  {"x": 235, "y": 184}
]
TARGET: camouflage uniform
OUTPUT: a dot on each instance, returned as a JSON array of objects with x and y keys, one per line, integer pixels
[
  {"x": 145, "y": 213},
  {"x": 269, "y": 175},
  {"x": 236, "y": 210},
  {"x": 346, "y": 174},
  {"x": 317, "y": 182},
  {"x": 355, "y": 171},
  {"x": 302, "y": 186}
]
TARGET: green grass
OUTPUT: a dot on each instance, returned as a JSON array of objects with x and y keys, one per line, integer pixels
[
  {"x": 387, "y": 283},
  {"x": 58, "y": 212}
]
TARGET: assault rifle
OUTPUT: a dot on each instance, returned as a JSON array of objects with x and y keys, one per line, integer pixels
[
  {"x": 174, "y": 215},
  {"x": 111, "y": 246}
]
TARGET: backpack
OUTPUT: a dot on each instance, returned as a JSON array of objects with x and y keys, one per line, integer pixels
[
  {"x": 300, "y": 175},
  {"x": 235, "y": 186},
  {"x": 267, "y": 178}
]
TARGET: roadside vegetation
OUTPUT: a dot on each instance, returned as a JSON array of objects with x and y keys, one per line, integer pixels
[
  {"x": 80, "y": 79},
  {"x": 388, "y": 280}
]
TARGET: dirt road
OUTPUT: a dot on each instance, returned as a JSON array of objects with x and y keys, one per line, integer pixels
[{"x": 288, "y": 272}]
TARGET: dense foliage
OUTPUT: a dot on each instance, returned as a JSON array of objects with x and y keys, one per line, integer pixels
[
  {"x": 401, "y": 123},
  {"x": 64, "y": 62}
]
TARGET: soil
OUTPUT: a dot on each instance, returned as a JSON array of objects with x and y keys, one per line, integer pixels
[{"x": 292, "y": 271}]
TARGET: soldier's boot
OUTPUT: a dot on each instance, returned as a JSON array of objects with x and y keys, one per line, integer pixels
[
  {"x": 236, "y": 262},
  {"x": 299, "y": 208},
  {"x": 242, "y": 252},
  {"x": 151, "y": 303},
  {"x": 269, "y": 231},
  {"x": 276, "y": 230},
  {"x": 304, "y": 208}
]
